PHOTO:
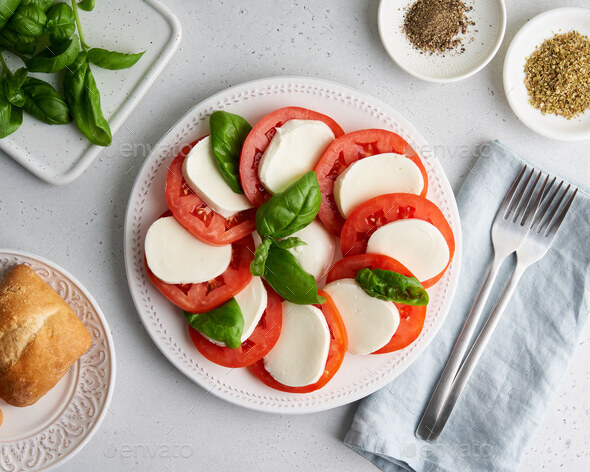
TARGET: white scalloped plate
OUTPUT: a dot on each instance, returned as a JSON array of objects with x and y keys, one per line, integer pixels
[
  {"x": 359, "y": 375},
  {"x": 45, "y": 435}
]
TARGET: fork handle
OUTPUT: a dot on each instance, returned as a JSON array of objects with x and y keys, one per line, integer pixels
[
  {"x": 440, "y": 394},
  {"x": 477, "y": 350}
]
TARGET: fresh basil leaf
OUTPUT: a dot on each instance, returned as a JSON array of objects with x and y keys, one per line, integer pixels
[
  {"x": 225, "y": 323},
  {"x": 7, "y": 9},
  {"x": 60, "y": 23},
  {"x": 290, "y": 243},
  {"x": 28, "y": 20},
  {"x": 56, "y": 57},
  {"x": 11, "y": 117},
  {"x": 87, "y": 5},
  {"x": 260, "y": 255},
  {"x": 83, "y": 98},
  {"x": 17, "y": 43},
  {"x": 392, "y": 286},
  {"x": 288, "y": 279},
  {"x": 228, "y": 132},
  {"x": 111, "y": 59},
  {"x": 291, "y": 210},
  {"x": 44, "y": 102},
  {"x": 42, "y": 4},
  {"x": 12, "y": 87}
]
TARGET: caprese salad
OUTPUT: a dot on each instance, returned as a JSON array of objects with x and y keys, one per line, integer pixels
[{"x": 256, "y": 217}]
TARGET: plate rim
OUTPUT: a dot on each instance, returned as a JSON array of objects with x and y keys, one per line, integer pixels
[
  {"x": 111, "y": 350},
  {"x": 508, "y": 70},
  {"x": 277, "y": 81},
  {"x": 116, "y": 121},
  {"x": 445, "y": 80}
]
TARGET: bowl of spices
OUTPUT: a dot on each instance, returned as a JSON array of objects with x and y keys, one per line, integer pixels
[
  {"x": 547, "y": 74},
  {"x": 442, "y": 40}
]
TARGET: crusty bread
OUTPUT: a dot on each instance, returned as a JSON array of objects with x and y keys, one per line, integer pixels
[{"x": 40, "y": 337}]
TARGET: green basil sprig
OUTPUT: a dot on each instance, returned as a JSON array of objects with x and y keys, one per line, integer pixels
[
  {"x": 44, "y": 102},
  {"x": 28, "y": 20},
  {"x": 55, "y": 57},
  {"x": 224, "y": 324},
  {"x": 61, "y": 23},
  {"x": 290, "y": 210},
  {"x": 257, "y": 265},
  {"x": 284, "y": 274},
  {"x": 18, "y": 43},
  {"x": 290, "y": 243},
  {"x": 7, "y": 9},
  {"x": 83, "y": 98},
  {"x": 11, "y": 117},
  {"x": 87, "y": 5},
  {"x": 392, "y": 286},
  {"x": 42, "y": 4},
  {"x": 12, "y": 87},
  {"x": 111, "y": 59},
  {"x": 228, "y": 133}
]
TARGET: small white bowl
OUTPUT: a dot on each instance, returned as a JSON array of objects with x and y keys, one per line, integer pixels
[
  {"x": 487, "y": 33},
  {"x": 532, "y": 34}
]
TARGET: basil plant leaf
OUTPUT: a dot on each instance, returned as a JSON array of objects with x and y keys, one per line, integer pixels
[
  {"x": 291, "y": 210},
  {"x": 290, "y": 243},
  {"x": 7, "y": 9},
  {"x": 42, "y": 4},
  {"x": 392, "y": 286},
  {"x": 284, "y": 274},
  {"x": 228, "y": 133},
  {"x": 83, "y": 98},
  {"x": 12, "y": 87},
  {"x": 61, "y": 23},
  {"x": 259, "y": 262},
  {"x": 87, "y": 5},
  {"x": 28, "y": 20},
  {"x": 17, "y": 43},
  {"x": 55, "y": 57},
  {"x": 224, "y": 323},
  {"x": 44, "y": 102},
  {"x": 11, "y": 117},
  {"x": 111, "y": 59}
]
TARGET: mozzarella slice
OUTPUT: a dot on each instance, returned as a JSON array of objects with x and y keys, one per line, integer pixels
[
  {"x": 373, "y": 176},
  {"x": 203, "y": 177},
  {"x": 177, "y": 257},
  {"x": 415, "y": 243},
  {"x": 252, "y": 301},
  {"x": 293, "y": 151},
  {"x": 317, "y": 255},
  {"x": 370, "y": 323},
  {"x": 299, "y": 357}
]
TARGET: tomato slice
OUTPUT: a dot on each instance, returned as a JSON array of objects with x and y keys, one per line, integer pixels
[
  {"x": 196, "y": 216},
  {"x": 260, "y": 342},
  {"x": 202, "y": 297},
  {"x": 259, "y": 139},
  {"x": 346, "y": 150},
  {"x": 379, "y": 211},
  {"x": 411, "y": 317},
  {"x": 337, "y": 349}
]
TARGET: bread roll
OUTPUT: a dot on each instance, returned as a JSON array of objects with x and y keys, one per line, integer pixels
[{"x": 40, "y": 337}]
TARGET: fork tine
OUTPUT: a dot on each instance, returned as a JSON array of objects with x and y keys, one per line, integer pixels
[
  {"x": 556, "y": 222},
  {"x": 523, "y": 184},
  {"x": 527, "y": 194},
  {"x": 534, "y": 205},
  {"x": 554, "y": 207},
  {"x": 510, "y": 194},
  {"x": 545, "y": 205}
]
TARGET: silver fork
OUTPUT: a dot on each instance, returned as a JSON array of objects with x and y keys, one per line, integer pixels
[
  {"x": 509, "y": 231},
  {"x": 543, "y": 230}
]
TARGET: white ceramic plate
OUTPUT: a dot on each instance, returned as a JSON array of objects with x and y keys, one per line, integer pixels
[
  {"x": 59, "y": 154},
  {"x": 532, "y": 35},
  {"x": 359, "y": 375},
  {"x": 487, "y": 33},
  {"x": 45, "y": 435}
]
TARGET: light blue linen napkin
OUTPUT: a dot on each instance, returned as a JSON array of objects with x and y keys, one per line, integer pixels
[{"x": 514, "y": 382}]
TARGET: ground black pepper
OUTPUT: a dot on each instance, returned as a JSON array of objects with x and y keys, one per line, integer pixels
[{"x": 433, "y": 26}]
